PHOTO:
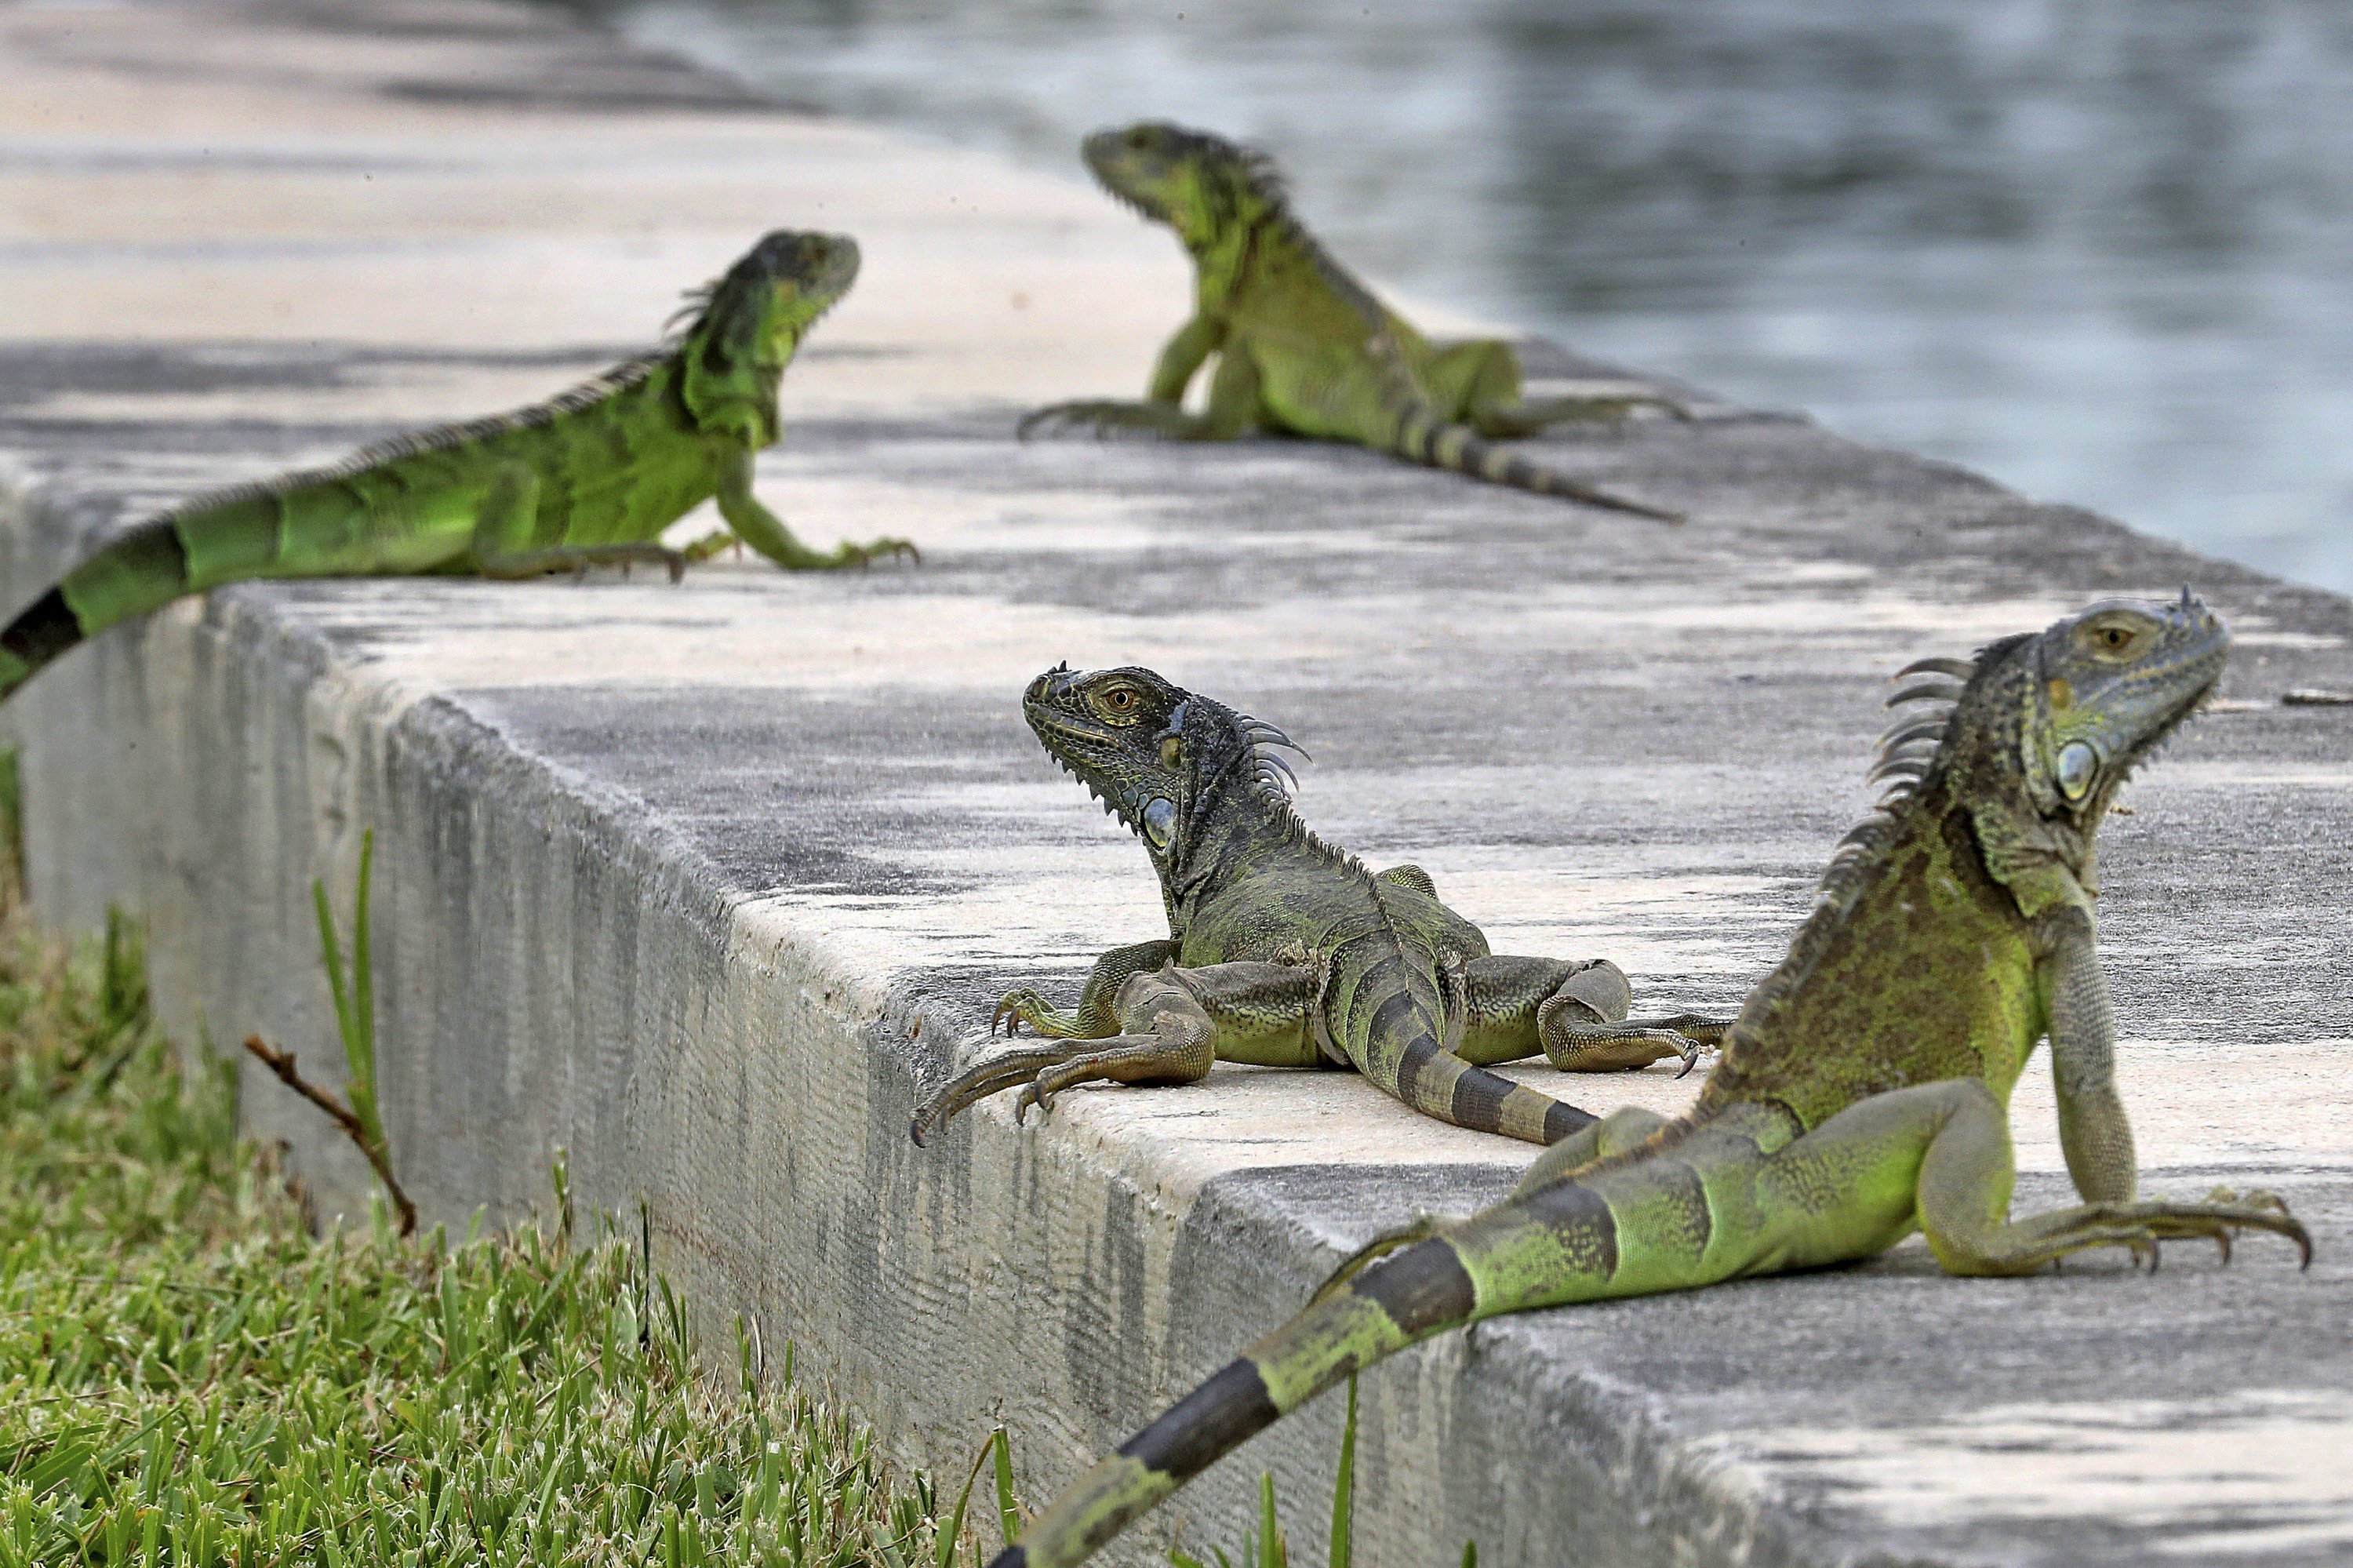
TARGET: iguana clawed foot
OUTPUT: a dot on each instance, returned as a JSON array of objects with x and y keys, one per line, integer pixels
[
  {"x": 1578, "y": 1037},
  {"x": 883, "y": 549},
  {"x": 2143, "y": 1226},
  {"x": 1168, "y": 1038},
  {"x": 1024, "y": 1005},
  {"x": 1108, "y": 417},
  {"x": 710, "y": 545},
  {"x": 578, "y": 560}
]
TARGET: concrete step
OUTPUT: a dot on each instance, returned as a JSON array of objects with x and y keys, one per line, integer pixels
[{"x": 705, "y": 883}]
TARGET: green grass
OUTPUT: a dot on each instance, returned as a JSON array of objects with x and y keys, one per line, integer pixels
[{"x": 189, "y": 1376}]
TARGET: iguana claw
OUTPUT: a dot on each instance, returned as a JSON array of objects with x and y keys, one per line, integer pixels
[
  {"x": 891, "y": 548},
  {"x": 1024, "y": 1005}
]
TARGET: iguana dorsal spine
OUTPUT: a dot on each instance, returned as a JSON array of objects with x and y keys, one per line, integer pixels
[
  {"x": 590, "y": 476},
  {"x": 1862, "y": 1089},
  {"x": 1303, "y": 346}
]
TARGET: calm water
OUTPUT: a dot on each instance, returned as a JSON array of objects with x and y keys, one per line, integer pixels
[{"x": 2098, "y": 249}]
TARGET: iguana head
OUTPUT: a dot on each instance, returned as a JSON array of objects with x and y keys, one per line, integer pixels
[
  {"x": 1160, "y": 758},
  {"x": 746, "y": 325},
  {"x": 1196, "y": 183},
  {"x": 2046, "y": 727}
]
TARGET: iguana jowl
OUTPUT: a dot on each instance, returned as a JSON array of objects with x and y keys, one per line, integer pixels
[
  {"x": 1281, "y": 950},
  {"x": 1303, "y": 347},
  {"x": 1863, "y": 1091},
  {"x": 590, "y": 477}
]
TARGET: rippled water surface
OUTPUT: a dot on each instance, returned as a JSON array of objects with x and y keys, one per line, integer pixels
[{"x": 2098, "y": 249}]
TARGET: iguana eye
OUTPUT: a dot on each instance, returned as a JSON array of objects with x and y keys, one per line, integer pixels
[
  {"x": 2114, "y": 637},
  {"x": 1119, "y": 702}
]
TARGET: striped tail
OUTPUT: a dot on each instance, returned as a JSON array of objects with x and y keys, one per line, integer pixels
[
  {"x": 1557, "y": 1245},
  {"x": 1398, "y": 1302},
  {"x": 1423, "y": 439},
  {"x": 295, "y": 525},
  {"x": 1379, "y": 1006},
  {"x": 141, "y": 571},
  {"x": 1438, "y": 1082}
]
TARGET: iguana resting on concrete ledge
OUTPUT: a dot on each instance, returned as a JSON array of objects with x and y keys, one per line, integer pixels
[
  {"x": 1284, "y": 952},
  {"x": 1861, "y": 1093},
  {"x": 1303, "y": 347},
  {"x": 591, "y": 477}
]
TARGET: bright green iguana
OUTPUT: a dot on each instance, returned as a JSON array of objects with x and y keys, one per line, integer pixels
[
  {"x": 1284, "y": 952},
  {"x": 1861, "y": 1093},
  {"x": 591, "y": 477},
  {"x": 1303, "y": 347}
]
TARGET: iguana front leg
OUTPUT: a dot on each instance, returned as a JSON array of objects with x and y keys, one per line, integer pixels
[
  {"x": 1939, "y": 1155},
  {"x": 1173, "y": 372},
  {"x": 509, "y": 515},
  {"x": 1172, "y": 1024},
  {"x": 765, "y": 531},
  {"x": 1232, "y": 411},
  {"x": 2093, "y": 1131},
  {"x": 1482, "y": 378},
  {"x": 1575, "y": 1014}
]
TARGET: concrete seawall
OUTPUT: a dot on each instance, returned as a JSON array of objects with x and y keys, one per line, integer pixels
[{"x": 702, "y": 884}]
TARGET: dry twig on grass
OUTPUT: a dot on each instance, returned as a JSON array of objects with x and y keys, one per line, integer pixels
[{"x": 282, "y": 1064}]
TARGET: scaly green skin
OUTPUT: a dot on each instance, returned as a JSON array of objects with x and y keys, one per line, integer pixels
[
  {"x": 589, "y": 478},
  {"x": 1284, "y": 952},
  {"x": 1863, "y": 1091},
  {"x": 1303, "y": 347}
]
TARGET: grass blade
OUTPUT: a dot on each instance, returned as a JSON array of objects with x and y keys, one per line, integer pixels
[
  {"x": 1008, "y": 1512},
  {"x": 954, "y": 1527},
  {"x": 1344, "y": 1489},
  {"x": 1271, "y": 1553},
  {"x": 359, "y": 1030}
]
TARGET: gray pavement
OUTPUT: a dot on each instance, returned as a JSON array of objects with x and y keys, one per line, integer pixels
[{"x": 703, "y": 884}]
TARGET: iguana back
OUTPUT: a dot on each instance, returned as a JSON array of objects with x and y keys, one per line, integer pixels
[
  {"x": 1303, "y": 347},
  {"x": 591, "y": 476},
  {"x": 1284, "y": 951}
]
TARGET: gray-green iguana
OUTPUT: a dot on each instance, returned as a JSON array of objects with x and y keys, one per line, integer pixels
[
  {"x": 1281, "y": 950},
  {"x": 1303, "y": 347},
  {"x": 1861, "y": 1093},
  {"x": 591, "y": 477}
]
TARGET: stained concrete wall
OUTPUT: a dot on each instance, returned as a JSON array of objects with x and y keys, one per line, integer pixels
[{"x": 702, "y": 883}]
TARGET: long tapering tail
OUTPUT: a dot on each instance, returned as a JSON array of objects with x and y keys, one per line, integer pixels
[
  {"x": 1443, "y": 1085},
  {"x": 1401, "y": 1299},
  {"x": 1458, "y": 448},
  {"x": 1397, "y": 1013},
  {"x": 1558, "y": 1242},
  {"x": 144, "y": 569},
  {"x": 301, "y": 525}
]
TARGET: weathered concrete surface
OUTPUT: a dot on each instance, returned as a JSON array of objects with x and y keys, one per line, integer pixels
[{"x": 699, "y": 882}]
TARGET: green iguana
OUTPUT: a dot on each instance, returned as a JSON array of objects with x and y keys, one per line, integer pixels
[
  {"x": 1284, "y": 952},
  {"x": 1861, "y": 1093},
  {"x": 591, "y": 477},
  {"x": 1303, "y": 347}
]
